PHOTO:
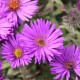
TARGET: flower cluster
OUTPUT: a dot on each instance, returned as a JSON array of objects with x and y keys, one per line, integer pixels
[
  {"x": 46, "y": 42},
  {"x": 40, "y": 40}
]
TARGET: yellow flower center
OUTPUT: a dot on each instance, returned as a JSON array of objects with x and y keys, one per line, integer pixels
[
  {"x": 14, "y": 4},
  {"x": 40, "y": 42},
  {"x": 18, "y": 53}
]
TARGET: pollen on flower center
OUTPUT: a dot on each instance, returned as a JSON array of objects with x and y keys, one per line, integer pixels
[
  {"x": 14, "y": 4},
  {"x": 69, "y": 65},
  {"x": 18, "y": 53},
  {"x": 40, "y": 42}
]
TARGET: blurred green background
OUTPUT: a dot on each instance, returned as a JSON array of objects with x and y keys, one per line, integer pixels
[{"x": 52, "y": 10}]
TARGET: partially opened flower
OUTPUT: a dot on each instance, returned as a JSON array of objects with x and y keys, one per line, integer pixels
[
  {"x": 15, "y": 52},
  {"x": 21, "y": 9},
  {"x": 42, "y": 39},
  {"x": 67, "y": 63}
]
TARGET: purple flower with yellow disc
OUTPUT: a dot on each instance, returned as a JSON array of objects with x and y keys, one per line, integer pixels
[
  {"x": 15, "y": 53},
  {"x": 67, "y": 63},
  {"x": 21, "y": 9},
  {"x": 42, "y": 39}
]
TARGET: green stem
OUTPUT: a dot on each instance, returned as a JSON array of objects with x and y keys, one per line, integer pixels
[{"x": 23, "y": 72}]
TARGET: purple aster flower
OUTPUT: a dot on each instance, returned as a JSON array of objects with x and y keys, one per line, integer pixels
[
  {"x": 15, "y": 53},
  {"x": 67, "y": 63},
  {"x": 6, "y": 26},
  {"x": 42, "y": 39},
  {"x": 21, "y": 9}
]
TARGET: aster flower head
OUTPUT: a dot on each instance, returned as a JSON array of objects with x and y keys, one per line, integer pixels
[
  {"x": 21, "y": 9},
  {"x": 72, "y": 19},
  {"x": 42, "y": 39},
  {"x": 67, "y": 63},
  {"x": 15, "y": 53}
]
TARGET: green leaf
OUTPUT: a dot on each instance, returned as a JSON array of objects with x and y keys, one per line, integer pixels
[
  {"x": 5, "y": 65},
  {"x": 59, "y": 2}
]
